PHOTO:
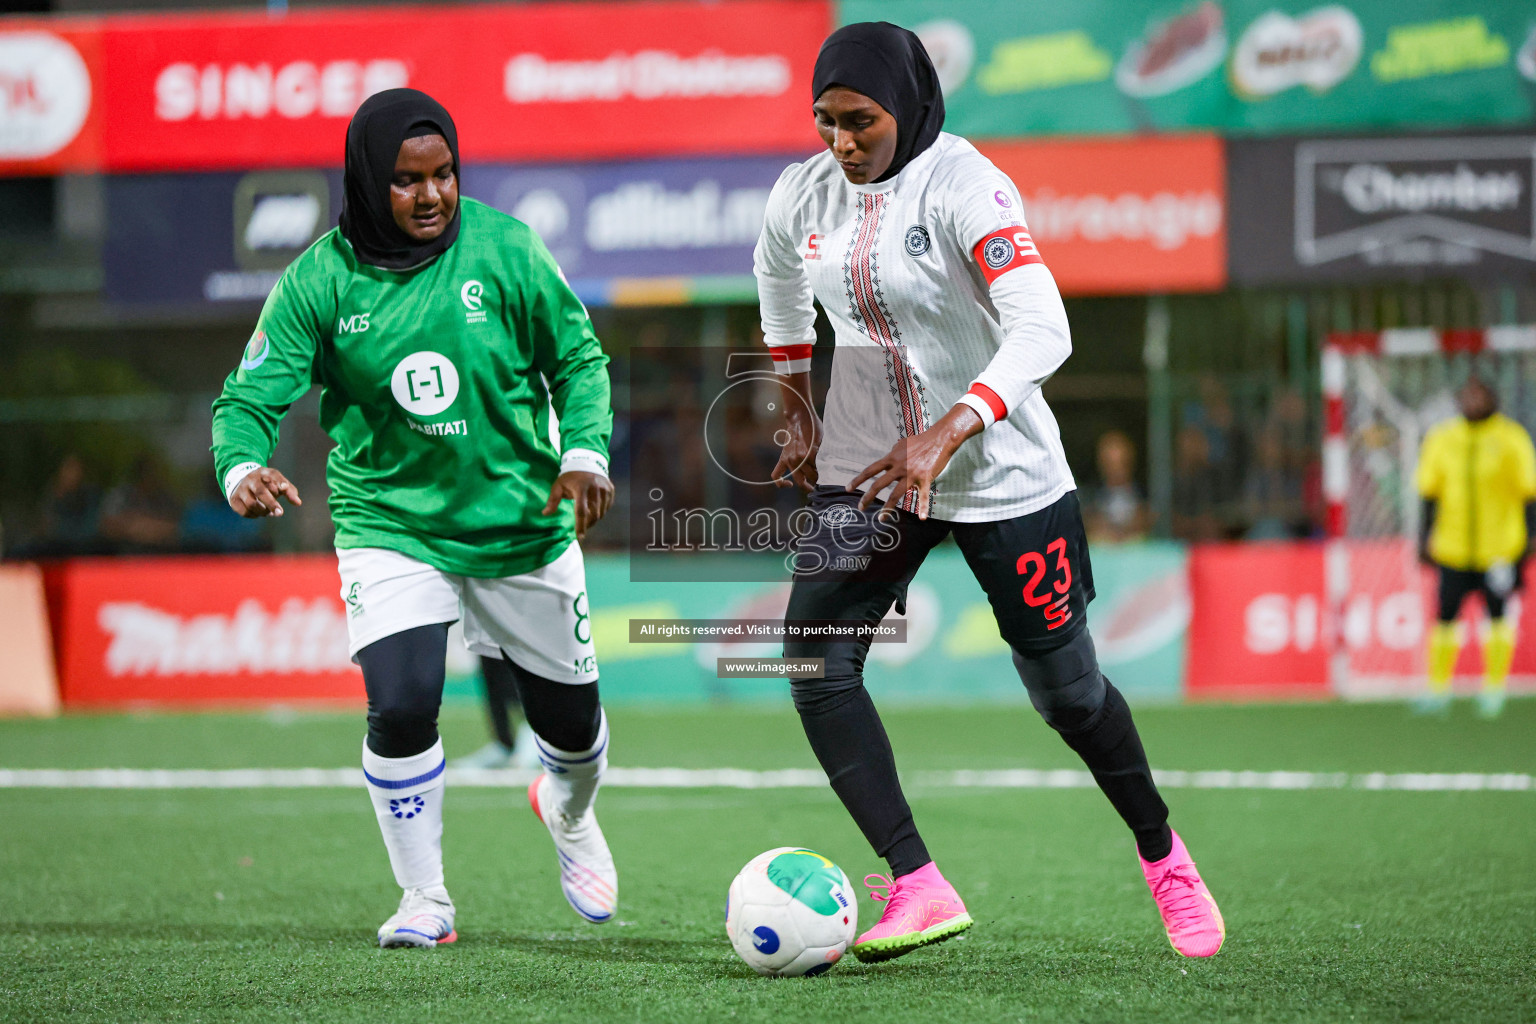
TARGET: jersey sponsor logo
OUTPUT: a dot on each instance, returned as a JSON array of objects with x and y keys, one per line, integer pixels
[
  {"x": 452, "y": 428},
  {"x": 357, "y": 323},
  {"x": 255, "y": 351},
  {"x": 425, "y": 383},
  {"x": 812, "y": 248},
  {"x": 472, "y": 294},
  {"x": 1003, "y": 250},
  {"x": 917, "y": 240},
  {"x": 1003, "y": 199}
]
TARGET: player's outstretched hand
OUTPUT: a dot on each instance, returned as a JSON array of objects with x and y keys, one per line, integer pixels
[
  {"x": 257, "y": 494},
  {"x": 590, "y": 495}
]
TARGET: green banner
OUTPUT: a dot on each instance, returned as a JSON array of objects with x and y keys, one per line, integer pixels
[
  {"x": 952, "y": 653},
  {"x": 1102, "y": 66}
]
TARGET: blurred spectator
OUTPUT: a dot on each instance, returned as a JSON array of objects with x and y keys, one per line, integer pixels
[
  {"x": 1272, "y": 492},
  {"x": 68, "y": 515},
  {"x": 1194, "y": 487},
  {"x": 1226, "y": 451},
  {"x": 1116, "y": 510},
  {"x": 1288, "y": 418},
  {"x": 142, "y": 515}
]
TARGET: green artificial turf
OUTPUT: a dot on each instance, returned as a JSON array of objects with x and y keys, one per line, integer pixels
[{"x": 1346, "y": 904}]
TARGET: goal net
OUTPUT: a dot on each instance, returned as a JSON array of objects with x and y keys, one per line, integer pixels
[{"x": 1382, "y": 392}]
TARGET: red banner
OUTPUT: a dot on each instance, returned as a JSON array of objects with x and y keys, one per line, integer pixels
[
  {"x": 1256, "y": 629},
  {"x": 202, "y": 631},
  {"x": 1262, "y": 627},
  {"x": 524, "y": 82},
  {"x": 1119, "y": 216},
  {"x": 50, "y": 96}
]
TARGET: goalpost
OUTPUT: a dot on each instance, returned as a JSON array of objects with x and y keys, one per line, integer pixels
[{"x": 1382, "y": 391}]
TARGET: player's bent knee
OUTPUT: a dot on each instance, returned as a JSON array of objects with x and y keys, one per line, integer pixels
[
  {"x": 401, "y": 731},
  {"x": 1064, "y": 684},
  {"x": 566, "y": 716},
  {"x": 832, "y": 691}
]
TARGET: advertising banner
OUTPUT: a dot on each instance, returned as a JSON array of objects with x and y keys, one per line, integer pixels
[
  {"x": 1262, "y": 626},
  {"x": 1386, "y": 617},
  {"x": 1326, "y": 210},
  {"x": 952, "y": 652},
  {"x": 176, "y": 239},
  {"x": 50, "y": 96},
  {"x": 268, "y": 629},
  {"x": 639, "y": 219},
  {"x": 221, "y": 237},
  {"x": 524, "y": 82},
  {"x": 1240, "y": 66},
  {"x": 1124, "y": 215},
  {"x": 202, "y": 631},
  {"x": 1256, "y": 630}
]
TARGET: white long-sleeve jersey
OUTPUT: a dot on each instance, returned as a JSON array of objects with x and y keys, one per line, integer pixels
[{"x": 936, "y": 296}]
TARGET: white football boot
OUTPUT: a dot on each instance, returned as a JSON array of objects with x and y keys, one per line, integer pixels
[
  {"x": 587, "y": 874},
  {"x": 425, "y": 919}
]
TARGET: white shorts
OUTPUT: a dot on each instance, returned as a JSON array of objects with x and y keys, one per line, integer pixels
[{"x": 541, "y": 619}]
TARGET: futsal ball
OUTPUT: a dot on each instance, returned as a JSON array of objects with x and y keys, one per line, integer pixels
[{"x": 790, "y": 912}]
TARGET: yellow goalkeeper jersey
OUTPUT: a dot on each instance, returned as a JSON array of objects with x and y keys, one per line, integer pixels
[{"x": 1480, "y": 475}]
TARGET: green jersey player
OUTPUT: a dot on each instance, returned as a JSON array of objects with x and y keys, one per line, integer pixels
[{"x": 442, "y": 334}]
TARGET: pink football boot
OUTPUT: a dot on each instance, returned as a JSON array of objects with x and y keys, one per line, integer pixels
[
  {"x": 1194, "y": 923},
  {"x": 921, "y": 908}
]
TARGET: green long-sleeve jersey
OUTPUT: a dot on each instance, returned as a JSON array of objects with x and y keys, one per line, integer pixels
[{"x": 436, "y": 385}]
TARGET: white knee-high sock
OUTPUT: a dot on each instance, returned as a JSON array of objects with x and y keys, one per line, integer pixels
[
  {"x": 407, "y": 794},
  {"x": 574, "y": 775}
]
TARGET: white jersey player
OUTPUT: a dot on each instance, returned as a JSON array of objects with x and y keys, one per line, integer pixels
[{"x": 947, "y": 322}]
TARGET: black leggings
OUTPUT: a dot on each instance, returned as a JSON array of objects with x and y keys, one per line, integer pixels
[
  {"x": 403, "y": 674},
  {"x": 1038, "y": 577}
]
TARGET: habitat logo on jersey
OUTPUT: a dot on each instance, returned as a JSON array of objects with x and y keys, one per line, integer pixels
[
  {"x": 473, "y": 297},
  {"x": 425, "y": 383}
]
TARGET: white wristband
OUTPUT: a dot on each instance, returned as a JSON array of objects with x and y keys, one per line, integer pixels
[
  {"x": 988, "y": 417},
  {"x": 234, "y": 476},
  {"x": 583, "y": 460}
]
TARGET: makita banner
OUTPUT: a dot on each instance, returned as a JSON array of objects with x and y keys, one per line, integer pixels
[
  {"x": 273, "y": 629},
  {"x": 1359, "y": 209},
  {"x": 192, "y": 238},
  {"x": 524, "y": 82},
  {"x": 1118, "y": 216},
  {"x": 202, "y": 630}
]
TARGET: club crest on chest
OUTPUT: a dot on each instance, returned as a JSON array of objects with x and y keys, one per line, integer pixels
[{"x": 917, "y": 241}]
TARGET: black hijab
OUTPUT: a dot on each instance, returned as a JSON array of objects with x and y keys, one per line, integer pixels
[
  {"x": 889, "y": 65},
  {"x": 381, "y": 124}
]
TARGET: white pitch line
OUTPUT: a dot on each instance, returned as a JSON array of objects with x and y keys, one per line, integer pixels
[{"x": 742, "y": 778}]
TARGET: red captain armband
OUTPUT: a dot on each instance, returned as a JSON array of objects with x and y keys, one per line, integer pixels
[{"x": 1003, "y": 250}]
